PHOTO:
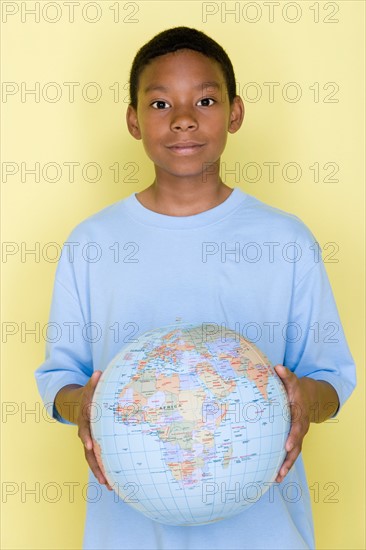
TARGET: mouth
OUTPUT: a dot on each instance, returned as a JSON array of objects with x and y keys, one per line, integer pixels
[{"x": 185, "y": 148}]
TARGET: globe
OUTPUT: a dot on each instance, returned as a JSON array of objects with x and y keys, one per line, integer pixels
[{"x": 189, "y": 424}]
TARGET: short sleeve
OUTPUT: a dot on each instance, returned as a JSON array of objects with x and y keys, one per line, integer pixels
[
  {"x": 68, "y": 358},
  {"x": 316, "y": 343}
]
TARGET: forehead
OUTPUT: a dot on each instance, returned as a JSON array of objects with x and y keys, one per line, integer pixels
[{"x": 183, "y": 68}]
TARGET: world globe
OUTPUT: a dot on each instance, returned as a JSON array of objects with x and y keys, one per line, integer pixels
[{"x": 189, "y": 424}]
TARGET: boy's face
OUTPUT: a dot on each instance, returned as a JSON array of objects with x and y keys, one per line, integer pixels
[{"x": 182, "y": 97}]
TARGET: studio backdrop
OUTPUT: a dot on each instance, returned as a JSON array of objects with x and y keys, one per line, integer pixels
[{"x": 66, "y": 154}]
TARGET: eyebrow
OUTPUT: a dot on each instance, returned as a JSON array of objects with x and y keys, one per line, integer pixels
[{"x": 156, "y": 87}]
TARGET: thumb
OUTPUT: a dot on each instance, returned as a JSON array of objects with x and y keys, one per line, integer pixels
[
  {"x": 285, "y": 374},
  {"x": 94, "y": 379},
  {"x": 91, "y": 385}
]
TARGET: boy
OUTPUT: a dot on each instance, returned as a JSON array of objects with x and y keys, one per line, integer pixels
[{"x": 190, "y": 246}]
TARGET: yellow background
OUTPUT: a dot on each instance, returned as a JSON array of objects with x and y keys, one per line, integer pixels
[{"x": 38, "y": 451}]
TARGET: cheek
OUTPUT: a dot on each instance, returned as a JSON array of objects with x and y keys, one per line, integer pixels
[
  {"x": 219, "y": 131},
  {"x": 150, "y": 129},
  {"x": 220, "y": 123}
]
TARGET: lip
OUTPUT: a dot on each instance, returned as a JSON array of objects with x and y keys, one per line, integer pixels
[
  {"x": 185, "y": 147},
  {"x": 186, "y": 144}
]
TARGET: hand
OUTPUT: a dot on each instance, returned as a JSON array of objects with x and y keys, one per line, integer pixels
[
  {"x": 83, "y": 422},
  {"x": 300, "y": 406}
]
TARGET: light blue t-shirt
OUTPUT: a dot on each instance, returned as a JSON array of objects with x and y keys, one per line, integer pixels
[{"x": 241, "y": 265}]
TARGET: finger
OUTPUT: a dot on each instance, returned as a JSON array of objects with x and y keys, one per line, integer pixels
[
  {"x": 288, "y": 463},
  {"x": 287, "y": 376},
  {"x": 295, "y": 436},
  {"x": 293, "y": 447},
  {"x": 92, "y": 383},
  {"x": 94, "y": 466},
  {"x": 94, "y": 379},
  {"x": 87, "y": 397},
  {"x": 84, "y": 434}
]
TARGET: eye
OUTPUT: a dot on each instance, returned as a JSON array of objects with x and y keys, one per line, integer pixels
[
  {"x": 159, "y": 104},
  {"x": 206, "y": 99}
]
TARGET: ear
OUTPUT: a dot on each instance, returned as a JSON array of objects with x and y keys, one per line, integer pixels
[
  {"x": 132, "y": 122},
  {"x": 236, "y": 114}
]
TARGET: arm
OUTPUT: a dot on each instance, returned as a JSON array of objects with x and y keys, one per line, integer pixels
[
  {"x": 310, "y": 401},
  {"x": 67, "y": 402},
  {"x": 65, "y": 379},
  {"x": 320, "y": 373},
  {"x": 73, "y": 403}
]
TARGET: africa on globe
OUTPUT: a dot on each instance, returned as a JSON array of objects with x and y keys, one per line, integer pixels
[{"x": 189, "y": 426}]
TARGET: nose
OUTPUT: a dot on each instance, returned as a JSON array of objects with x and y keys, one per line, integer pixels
[{"x": 184, "y": 119}]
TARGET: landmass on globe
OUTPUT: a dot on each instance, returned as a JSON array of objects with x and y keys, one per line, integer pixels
[{"x": 178, "y": 406}]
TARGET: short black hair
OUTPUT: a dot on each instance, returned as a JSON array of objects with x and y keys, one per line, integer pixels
[{"x": 179, "y": 38}]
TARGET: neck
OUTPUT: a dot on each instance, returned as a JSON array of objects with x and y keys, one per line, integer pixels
[{"x": 183, "y": 197}]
